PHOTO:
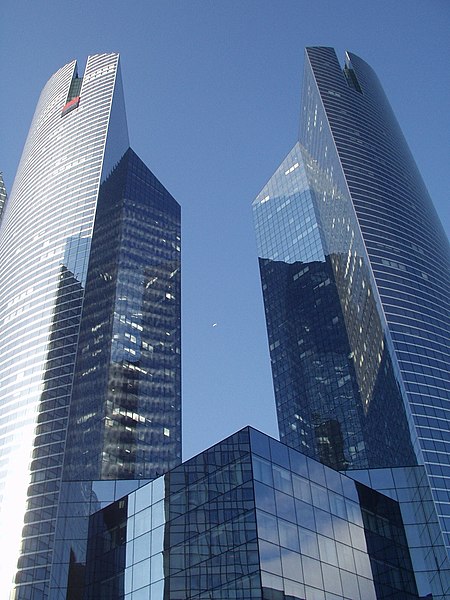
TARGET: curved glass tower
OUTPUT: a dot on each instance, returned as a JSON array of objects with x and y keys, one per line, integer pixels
[
  {"x": 90, "y": 321},
  {"x": 355, "y": 271}
]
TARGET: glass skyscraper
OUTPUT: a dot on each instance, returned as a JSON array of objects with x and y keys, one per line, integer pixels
[
  {"x": 90, "y": 319},
  {"x": 355, "y": 273}
]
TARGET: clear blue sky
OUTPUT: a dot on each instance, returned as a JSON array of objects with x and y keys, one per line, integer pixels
[{"x": 212, "y": 90}]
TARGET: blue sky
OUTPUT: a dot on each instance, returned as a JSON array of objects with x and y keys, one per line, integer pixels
[{"x": 212, "y": 90}]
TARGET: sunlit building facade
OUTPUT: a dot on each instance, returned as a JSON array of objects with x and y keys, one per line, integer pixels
[
  {"x": 355, "y": 272},
  {"x": 90, "y": 319}
]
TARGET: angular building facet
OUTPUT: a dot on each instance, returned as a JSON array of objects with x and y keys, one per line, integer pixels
[
  {"x": 90, "y": 319},
  {"x": 355, "y": 273}
]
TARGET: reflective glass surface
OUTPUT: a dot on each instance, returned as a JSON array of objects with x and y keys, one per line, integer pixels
[
  {"x": 234, "y": 522},
  {"x": 337, "y": 394},
  {"x": 409, "y": 486},
  {"x": 126, "y": 398}
]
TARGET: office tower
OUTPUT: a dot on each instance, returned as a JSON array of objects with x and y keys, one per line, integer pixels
[
  {"x": 90, "y": 320},
  {"x": 355, "y": 273}
]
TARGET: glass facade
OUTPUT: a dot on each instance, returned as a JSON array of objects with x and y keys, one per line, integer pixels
[
  {"x": 125, "y": 408},
  {"x": 338, "y": 396},
  {"x": 350, "y": 199},
  {"x": 90, "y": 320},
  {"x": 410, "y": 488},
  {"x": 252, "y": 518}
]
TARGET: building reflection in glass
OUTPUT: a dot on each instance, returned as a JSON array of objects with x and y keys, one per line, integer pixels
[{"x": 338, "y": 398}]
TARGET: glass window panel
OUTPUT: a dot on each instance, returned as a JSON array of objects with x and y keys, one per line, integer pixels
[
  {"x": 345, "y": 557},
  {"x": 302, "y": 488},
  {"x": 358, "y": 538},
  {"x": 262, "y": 471},
  {"x": 158, "y": 514},
  {"x": 323, "y": 523},
  {"x": 294, "y": 589},
  {"x": 128, "y": 580},
  {"x": 334, "y": 481},
  {"x": 349, "y": 488},
  {"x": 130, "y": 528},
  {"x": 327, "y": 549},
  {"x": 317, "y": 472},
  {"x": 285, "y": 506},
  {"x": 141, "y": 574},
  {"x": 288, "y": 535},
  {"x": 142, "y": 522},
  {"x": 381, "y": 479},
  {"x": 104, "y": 490},
  {"x": 308, "y": 543},
  {"x": 354, "y": 513},
  {"x": 319, "y": 497},
  {"x": 157, "y": 590},
  {"x": 312, "y": 572},
  {"x": 331, "y": 579},
  {"x": 350, "y": 585},
  {"x": 279, "y": 453},
  {"x": 305, "y": 515},
  {"x": 282, "y": 479},
  {"x": 337, "y": 505},
  {"x": 142, "y": 547},
  {"x": 270, "y": 557},
  {"x": 157, "y": 487},
  {"x": 341, "y": 531},
  {"x": 314, "y": 594},
  {"x": 157, "y": 540},
  {"x": 142, "y": 594},
  {"x": 291, "y": 563},
  {"x": 299, "y": 463},
  {"x": 267, "y": 526},
  {"x": 259, "y": 443},
  {"x": 143, "y": 498},
  {"x": 157, "y": 570},
  {"x": 264, "y": 497},
  {"x": 367, "y": 589},
  {"x": 271, "y": 582}
]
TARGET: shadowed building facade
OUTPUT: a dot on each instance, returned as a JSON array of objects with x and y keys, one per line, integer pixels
[
  {"x": 90, "y": 318},
  {"x": 355, "y": 273}
]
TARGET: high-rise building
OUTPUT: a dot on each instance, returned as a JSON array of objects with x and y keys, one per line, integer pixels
[
  {"x": 90, "y": 320},
  {"x": 355, "y": 274}
]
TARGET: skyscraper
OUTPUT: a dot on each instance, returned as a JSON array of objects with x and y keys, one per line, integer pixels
[
  {"x": 355, "y": 273},
  {"x": 90, "y": 319}
]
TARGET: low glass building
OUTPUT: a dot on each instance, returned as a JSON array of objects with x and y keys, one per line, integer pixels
[{"x": 251, "y": 518}]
